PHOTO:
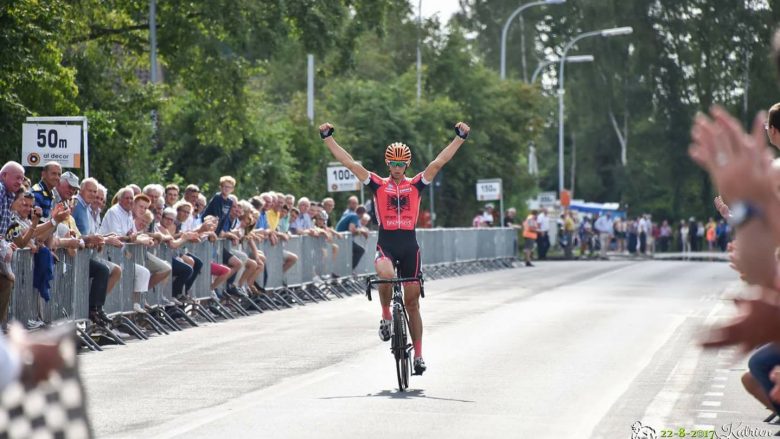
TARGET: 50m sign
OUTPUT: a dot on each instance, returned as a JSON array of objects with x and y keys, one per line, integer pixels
[{"x": 43, "y": 143}]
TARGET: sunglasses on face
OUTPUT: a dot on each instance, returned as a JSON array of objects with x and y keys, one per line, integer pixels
[{"x": 394, "y": 164}]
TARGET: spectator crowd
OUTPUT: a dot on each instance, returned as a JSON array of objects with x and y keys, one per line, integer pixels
[{"x": 65, "y": 214}]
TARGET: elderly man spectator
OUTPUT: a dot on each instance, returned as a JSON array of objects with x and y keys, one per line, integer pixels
[
  {"x": 350, "y": 222},
  {"x": 271, "y": 209},
  {"x": 220, "y": 204},
  {"x": 44, "y": 189},
  {"x": 328, "y": 205},
  {"x": 119, "y": 221},
  {"x": 11, "y": 180},
  {"x": 605, "y": 228},
  {"x": 352, "y": 205},
  {"x": 88, "y": 228},
  {"x": 289, "y": 200},
  {"x": 304, "y": 221},
  {"x": 171, "y": 194},
  {"x": 97, "y": 206},
  {"x": 70, "y": 237}
]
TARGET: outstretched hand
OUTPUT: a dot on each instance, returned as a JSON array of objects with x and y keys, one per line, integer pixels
[
  {"x": 738, "y": 162},
  {"x": 326, "y": 130},
  {"x": 462, "y": 130}
]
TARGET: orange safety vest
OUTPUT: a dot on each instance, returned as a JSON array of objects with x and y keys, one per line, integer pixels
[{"x": 528, "y": 231}]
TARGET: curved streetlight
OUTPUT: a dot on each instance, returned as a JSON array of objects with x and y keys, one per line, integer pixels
[
  {"x": 613, "y": 32},
  {"x": 505, "y": 30},
  {"x": 569, "y": 59}
]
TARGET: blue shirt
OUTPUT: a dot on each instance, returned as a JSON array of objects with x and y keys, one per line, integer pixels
[
  {"x": 220, "y": 208},
  {"x": 262, "y": 222},
  {"x": 348, "y": 218},
  {"x": 82, "y": 217},
  {"x": 44, "y": 198}
]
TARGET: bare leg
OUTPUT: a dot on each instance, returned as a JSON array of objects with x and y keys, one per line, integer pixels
[
  {"x": 158, "y": 277},
  {"x": 753, "y": 388},
  {"x": 113, "y": 278},
  {"x": 412, "y": 304},
  {"x": 289, "y": 260},
  {"x": 385, "y": 270}
]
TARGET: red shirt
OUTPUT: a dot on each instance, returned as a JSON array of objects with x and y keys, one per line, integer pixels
[{"x": 397, "y": 206}]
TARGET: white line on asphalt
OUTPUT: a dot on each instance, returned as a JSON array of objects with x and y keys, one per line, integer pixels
[
  {"x": 718, "y": 386},
  {"x": 720, "y": 378},
  {"x": 708, "y": 415},
  {"x": 713, "y": 394},
  {"x": 711, "y": 403}
]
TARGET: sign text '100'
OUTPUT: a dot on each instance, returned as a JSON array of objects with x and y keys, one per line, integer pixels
[{"x": 343, "y": 175}]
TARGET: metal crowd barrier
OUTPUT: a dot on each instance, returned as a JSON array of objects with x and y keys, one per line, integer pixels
[
  {"x": 274, "y": 260},
  {"x": 70, "y": 287}
]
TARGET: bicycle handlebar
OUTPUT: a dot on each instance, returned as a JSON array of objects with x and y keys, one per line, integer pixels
[{"x": 397, "y": 280}]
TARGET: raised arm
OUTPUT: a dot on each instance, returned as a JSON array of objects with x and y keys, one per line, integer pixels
[
  {"x": 462, "y": 132},
  {"x": 326, "y": 132}
]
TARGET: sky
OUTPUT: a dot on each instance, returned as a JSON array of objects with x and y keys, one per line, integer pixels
[{"x": 444, "y": 8}]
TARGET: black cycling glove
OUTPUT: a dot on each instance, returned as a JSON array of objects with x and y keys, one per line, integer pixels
[{"x": 327, "y": 133}]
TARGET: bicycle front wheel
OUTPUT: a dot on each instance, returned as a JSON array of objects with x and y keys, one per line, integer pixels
[{"x": 399, "y": 351}]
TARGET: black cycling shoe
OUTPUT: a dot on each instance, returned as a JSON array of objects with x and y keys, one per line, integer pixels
[{"x": 419, "y": 366}]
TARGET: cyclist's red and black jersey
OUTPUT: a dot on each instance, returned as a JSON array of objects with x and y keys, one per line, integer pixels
[{"x": 397, "y": 206}]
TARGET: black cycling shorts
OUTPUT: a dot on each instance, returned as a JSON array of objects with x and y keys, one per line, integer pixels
[{"x": 400, "y": 246}]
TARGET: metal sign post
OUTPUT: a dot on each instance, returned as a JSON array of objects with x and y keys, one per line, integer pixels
[{"x": 56, "y": 142}]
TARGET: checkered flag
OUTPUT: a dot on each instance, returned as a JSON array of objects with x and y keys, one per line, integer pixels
[{"x": 55, "y": 408}]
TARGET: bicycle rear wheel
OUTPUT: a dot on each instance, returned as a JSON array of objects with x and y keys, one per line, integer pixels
[{"x": 399, "y": 350}]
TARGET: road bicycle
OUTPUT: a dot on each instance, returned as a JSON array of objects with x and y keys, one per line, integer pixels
[{"x": 400, "y": 345}]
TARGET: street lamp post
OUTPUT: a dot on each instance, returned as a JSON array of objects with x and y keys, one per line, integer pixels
[
  {"x": 603, "y": 33},
  {"x": 419, "y": 54},
  {"x": 505, "y": 30},
  {"x": 569, "y": 59}
]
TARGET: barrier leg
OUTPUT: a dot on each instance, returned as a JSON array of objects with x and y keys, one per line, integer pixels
[
  {"x": 87, "y": 340},
  {"x": 152, "y": 323},
  {"x": 175, "y": 311},
  {"x": 121, "y": 321},
  {"x": 165, "y": 318},
  {"x": 198, "y": 309}
]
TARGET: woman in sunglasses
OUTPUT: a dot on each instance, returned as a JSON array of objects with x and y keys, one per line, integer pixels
[{"x": 397, "y": 204}]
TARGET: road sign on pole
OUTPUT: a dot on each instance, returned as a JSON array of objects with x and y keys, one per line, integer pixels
[
  {"x": 341, "y": 179},
  {"x": 55, "y": 142},
  {"x": 489, "y": 190}
]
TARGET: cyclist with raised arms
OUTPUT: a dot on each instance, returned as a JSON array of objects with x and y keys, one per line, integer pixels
[{"x": 397, "y": 205}]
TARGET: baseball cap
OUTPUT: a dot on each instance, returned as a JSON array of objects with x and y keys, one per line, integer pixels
[{"x": 71, "y": 178}]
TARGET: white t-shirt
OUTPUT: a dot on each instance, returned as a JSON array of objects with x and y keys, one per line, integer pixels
[
  {"x": 119, "y": 221},
  {"x": 544, "y": 222}
]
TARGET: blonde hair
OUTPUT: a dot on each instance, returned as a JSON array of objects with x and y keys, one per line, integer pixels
[{"x": 227, "y": 179}]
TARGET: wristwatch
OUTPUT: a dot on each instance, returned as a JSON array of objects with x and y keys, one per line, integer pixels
[
  {"x": 53, "y": 222},
  {"x": 742, "y": 212}
]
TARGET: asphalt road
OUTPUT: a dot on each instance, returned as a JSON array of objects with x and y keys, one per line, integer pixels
[{"x": 561, "y": 350}]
